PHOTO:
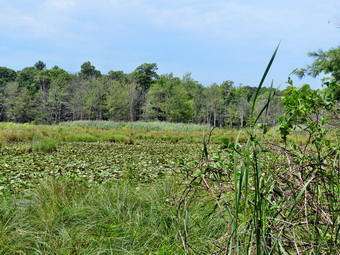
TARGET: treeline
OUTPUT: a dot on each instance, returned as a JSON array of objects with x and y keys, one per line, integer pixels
[{"x": 41, "y": 95}]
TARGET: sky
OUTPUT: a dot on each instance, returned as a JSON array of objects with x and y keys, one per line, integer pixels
[{"x": 214, "y": 40}]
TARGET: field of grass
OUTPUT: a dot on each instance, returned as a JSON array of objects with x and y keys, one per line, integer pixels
[{"x": 158, "y": 188}]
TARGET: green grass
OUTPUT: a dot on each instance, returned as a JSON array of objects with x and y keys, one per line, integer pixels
[
  {"x": 140, "y": 125},
  {"x": 65, "y": 216},
  {"x": 48, "y": 145}
]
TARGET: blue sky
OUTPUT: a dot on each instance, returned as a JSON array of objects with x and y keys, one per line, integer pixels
[{"x": 215, "y": 40}]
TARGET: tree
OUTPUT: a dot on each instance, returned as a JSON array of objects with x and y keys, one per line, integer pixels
[
  {"x": 40, "y": 65},
  {"x": 158, "y": 104},
  {"x": 87, "y": 70},
  {"x": 168, "y": 100},
  {"x": 117, "y": 76},
  {"x": 25, "y": 78},
  {"x": 181, "y": 106},
  {"x": 195, "y": 94},
  {"x": 120, "y": 100},
  {"x": 145, "y": 75},
  {"x": 327, "y": 62},
  {"x": 214, "y": 104},
  {"x": 6, "y": 75},
  {"x": 56, "y": 100},
  {"x": 18, "y": 103},
  {"x": 95, "y": 99}
]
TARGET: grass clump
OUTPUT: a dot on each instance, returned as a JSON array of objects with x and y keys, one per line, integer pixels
[
  {"x": 47, "y": 145},
  {"x": 81, "y": 138}
]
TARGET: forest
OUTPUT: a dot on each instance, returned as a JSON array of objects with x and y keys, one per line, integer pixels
[{"x": 48, "y": 96}]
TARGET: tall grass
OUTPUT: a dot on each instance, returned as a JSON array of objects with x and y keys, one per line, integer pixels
[
  {"x": 65, "y": 216},
  {"x": 92, "y": 131},
  {"x": 140, "y": 125},
  {"x": 48, "y": 145}
]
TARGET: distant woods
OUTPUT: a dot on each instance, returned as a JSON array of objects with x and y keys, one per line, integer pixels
[{"x": 47, "y": 96}]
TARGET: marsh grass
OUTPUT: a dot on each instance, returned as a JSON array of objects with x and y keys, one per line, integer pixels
[
  {"x": 47, "y": 145},
  {"x": 140, "y": 125},
  {"x": 66, "y": 216},
  {"x": 72, "y": 132}
]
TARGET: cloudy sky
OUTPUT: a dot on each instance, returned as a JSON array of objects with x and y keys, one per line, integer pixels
[{"x": 215, "y": 40}]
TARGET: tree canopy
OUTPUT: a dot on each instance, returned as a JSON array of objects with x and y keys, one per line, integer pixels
[{"x": 44, "y": 95}]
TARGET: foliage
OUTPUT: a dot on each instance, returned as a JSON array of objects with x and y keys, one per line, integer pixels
[
  {"x": 327, "y": 62},
  {"x": 88, "y": 70},
  {"x": 40, "y": 65},
  {"x": 6, "y": 75},
  {"x": 167, "y": 100},
  {"x": 307, "y": 107},
  {"x": 54, "y": 95},
  {"x": 145, "y": 75}
]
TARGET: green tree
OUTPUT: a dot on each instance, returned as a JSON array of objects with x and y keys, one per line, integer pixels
[
  {"x": 6, "y": 75},
  {"x": 50, "y": 98},
  {"x": 158, "y": 103},
  {"x": 145, "y": 75},
  {"x": 56, "y": 100},
  {"x": 40, "y": 65},
  {"x": 95, "y": 99},
  {"x": 20, "y": 106},
  {"x": 26, "y": 79},
  {"x": 87, "y": 70},
  {"x": 214, "y": 104},
  {"x": 168, "y": 100},
  {"x": 117, "y": 76},
  {"x": 195, "y": 94},
  {"x": 327, "y": 62},
  {"x": 120, "y": 100}
]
